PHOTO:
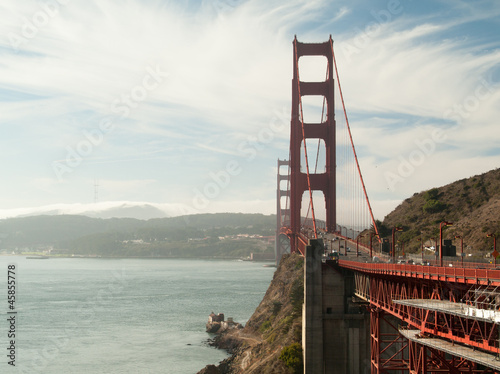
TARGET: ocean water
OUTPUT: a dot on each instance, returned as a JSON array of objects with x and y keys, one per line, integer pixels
[{"x": 122, "y": 315}]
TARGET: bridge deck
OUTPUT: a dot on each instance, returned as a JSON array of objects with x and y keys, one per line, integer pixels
[
  {"x": 458, "y": 309},
  {"x": 470, "y": 354}
]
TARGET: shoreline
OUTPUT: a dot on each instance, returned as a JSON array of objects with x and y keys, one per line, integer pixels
[
  {"x": 139, "y": 257},
  {"x": 276, "y": 324}
]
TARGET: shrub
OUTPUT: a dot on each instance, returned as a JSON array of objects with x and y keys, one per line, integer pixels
[
  {"x": 266, "y": 325},
  {"x": 291, "y": 355},
  {"x": 434, "y": 206},
  {"x": 297, "y": 332},
  {"x": 286, "y": 323},
  {"x": 297, "y": 296},
  {"x": 432, "y": 194},
  {"x": 288, "y": 320},
  {"x": 299, "y": 264},
  {"x": 271, "y": 338},
  {"x": 276, "y": 307}
]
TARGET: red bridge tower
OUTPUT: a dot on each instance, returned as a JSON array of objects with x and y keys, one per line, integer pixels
[{"x": 300, "y": 131}]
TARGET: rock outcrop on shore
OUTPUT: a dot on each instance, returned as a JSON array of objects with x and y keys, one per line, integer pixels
[
  {"x": 275, "y": 324},
  {"x": 209, "y": 369},
  {"x": 217, "y": 325}
]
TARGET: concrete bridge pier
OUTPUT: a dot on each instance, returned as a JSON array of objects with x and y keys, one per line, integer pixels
[
  {"x": 335, "y": 325},
  {"x": 312, "y": 309}
]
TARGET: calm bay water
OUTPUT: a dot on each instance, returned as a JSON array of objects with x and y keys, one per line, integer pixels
[{"x": 122, "y": 316}]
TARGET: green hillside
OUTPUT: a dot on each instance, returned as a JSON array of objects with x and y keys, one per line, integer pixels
[
  {"x": 204, "y": 235},
  {"x": 471, "y": 204}
]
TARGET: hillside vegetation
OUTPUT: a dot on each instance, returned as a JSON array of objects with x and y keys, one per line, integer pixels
[
  {"x": 204, "y": 235},
  {"x": 471, "y": 204}
]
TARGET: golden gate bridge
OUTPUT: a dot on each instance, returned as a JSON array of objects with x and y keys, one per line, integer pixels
[{"x": 423, "y": 318}]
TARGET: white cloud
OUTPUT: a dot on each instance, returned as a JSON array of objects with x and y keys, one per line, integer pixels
[
  {"x": 404, "y": 82},
  {"x": 229, "y": 67}
]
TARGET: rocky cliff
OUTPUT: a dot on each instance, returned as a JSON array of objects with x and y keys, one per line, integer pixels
[{"x": 271, "y": 331}]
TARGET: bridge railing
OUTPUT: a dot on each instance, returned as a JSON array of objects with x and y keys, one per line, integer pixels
[
  {"x": 476, "y": 275},
  {"x": 455, "y": 262}
]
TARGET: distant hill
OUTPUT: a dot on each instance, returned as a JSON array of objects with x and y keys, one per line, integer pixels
[
  {"x": 472, "y": 205},
  {"x": 104, "y": 209},
  {"x": 175, "y": 236}
]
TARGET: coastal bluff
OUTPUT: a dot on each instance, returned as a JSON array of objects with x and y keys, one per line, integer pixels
[{"x": 275, "y": 326}]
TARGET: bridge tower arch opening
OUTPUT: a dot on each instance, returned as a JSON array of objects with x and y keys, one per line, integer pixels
[
  {"x": 319, "y": 211},
  {"x": 316, "y": 155},
  {"x": 313, "y": 68}
]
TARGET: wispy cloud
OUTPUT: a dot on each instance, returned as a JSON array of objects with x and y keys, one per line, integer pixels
[{"x": 185, "y": 84}]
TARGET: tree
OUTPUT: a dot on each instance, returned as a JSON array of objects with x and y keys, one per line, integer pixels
[{"x": 291, "y": 355}]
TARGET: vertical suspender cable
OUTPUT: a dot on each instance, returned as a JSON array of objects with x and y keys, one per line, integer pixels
[{"x": 352, "y": 143}]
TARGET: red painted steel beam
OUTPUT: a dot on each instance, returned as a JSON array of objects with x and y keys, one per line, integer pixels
[
  {"x": 464, "y": 330},
  {"x": 435, "y": 273}
]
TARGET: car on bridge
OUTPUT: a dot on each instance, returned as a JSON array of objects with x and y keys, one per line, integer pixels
[{"x": 334, "y": 256}]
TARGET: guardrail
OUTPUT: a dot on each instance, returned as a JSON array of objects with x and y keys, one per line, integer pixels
[{"x": 480, "y": 274}]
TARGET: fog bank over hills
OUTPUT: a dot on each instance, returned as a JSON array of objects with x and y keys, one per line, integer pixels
[
  {"x": 108, "y": 209},
  {"x": 144, "y": 210}
]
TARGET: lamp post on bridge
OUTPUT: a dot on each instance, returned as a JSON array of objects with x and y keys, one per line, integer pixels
[
  {"x": 345, "y": 239},
  {"x": 343, "y": 227},
  {"x": 357, "y": 244},
  {"x": 445, "y": 223},
  {"x": 435, "y": 248},
  {"x": 394, "y": 229},
  {"x": 421, "y": 248},
  {"x": 372, "y": 234},
  {"x": 495, "y": 253},
  {"x": 461, "y": 248}
]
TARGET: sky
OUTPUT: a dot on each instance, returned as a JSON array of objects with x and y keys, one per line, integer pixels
[{"x": 186, "y": 104}]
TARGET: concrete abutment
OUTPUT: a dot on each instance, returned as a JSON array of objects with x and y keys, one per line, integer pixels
[{"x": 335, "y": 329}]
